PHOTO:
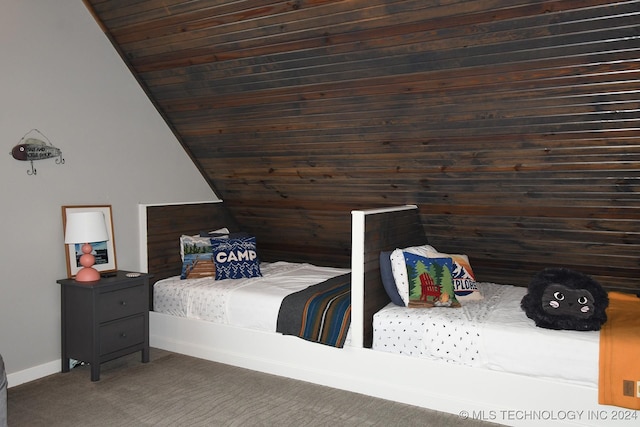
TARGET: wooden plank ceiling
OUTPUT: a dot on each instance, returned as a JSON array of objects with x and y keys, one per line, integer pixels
[{"x": 512, "y": 124}]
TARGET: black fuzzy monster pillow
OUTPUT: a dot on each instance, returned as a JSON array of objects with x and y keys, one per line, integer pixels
[{"x": 560, "y": 298}]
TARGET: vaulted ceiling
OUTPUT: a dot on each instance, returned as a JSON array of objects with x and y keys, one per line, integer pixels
[{"x": 512, "y": 124}]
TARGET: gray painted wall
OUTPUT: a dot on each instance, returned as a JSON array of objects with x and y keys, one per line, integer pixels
[{"x": 61, "y": 75}]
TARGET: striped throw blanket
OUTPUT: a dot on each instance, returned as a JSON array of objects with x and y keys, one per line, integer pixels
[{"x": 320, "y": 313}]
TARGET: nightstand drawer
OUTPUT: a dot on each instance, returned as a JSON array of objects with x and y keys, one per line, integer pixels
[
  {"x": 122, "y": 303},
  {"x": 121, "y": 334}
]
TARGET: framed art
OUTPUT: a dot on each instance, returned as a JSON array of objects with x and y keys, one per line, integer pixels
[{"x": 105, "y": 252}]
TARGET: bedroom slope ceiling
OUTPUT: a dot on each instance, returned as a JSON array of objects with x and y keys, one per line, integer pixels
[{"x": 512, "y": 124}]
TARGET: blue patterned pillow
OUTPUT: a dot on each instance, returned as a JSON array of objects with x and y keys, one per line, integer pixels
[{"x": 236, "y": 258}]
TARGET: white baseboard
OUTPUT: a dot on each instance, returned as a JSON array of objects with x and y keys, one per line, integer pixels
[{"x": 33, "y": 373}]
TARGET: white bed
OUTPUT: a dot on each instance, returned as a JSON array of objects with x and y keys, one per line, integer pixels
[
  {"x": 251, "y": 303},
  {"x": 492, "y": 333},
  {"x": 471, "y": 392}
]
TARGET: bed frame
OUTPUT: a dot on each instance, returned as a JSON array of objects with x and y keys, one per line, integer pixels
[{"x": 469, "y": 392}]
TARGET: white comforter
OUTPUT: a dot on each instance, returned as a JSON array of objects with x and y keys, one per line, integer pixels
[
  {"x": 493, "y": 333},
  {"x": 248, "y": 303}
]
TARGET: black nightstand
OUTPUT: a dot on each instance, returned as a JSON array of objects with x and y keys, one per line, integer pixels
[{"x": 104, "y": 320}]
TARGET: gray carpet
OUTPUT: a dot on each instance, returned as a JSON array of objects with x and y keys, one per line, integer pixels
[{"x": 177, "y": 390}]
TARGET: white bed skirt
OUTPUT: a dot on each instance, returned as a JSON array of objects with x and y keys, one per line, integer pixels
[{"x": 498, "y": 397}]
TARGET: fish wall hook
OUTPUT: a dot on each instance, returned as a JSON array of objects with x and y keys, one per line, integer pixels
[{"x": 30, "y": 149}]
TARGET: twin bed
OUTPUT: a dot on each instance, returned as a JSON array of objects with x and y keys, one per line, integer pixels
[{"x": 496, "y": 367}]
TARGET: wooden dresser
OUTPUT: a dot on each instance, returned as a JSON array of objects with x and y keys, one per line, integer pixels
[{"x": 105, "y": 319}]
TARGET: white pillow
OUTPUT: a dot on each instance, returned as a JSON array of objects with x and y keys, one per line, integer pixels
[{"x": 399, "y": 270}]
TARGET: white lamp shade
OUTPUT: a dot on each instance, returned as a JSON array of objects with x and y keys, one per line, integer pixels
[{"x": 85, "y": 227}]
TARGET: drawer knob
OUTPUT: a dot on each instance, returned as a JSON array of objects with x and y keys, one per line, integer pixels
[
  {"x": 123, "y": 335},
  {"x": 123, "y": 303}
]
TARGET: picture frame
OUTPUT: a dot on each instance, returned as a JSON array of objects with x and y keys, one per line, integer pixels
[{"x": 105, "y": 252}]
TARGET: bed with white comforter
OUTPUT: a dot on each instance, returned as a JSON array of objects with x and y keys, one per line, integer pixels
[
  {"x": 252, "y": 303},
  {"x": 492, "y": 333}
]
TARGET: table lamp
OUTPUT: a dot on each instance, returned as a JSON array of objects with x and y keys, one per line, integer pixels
[{"x": 86, "y": 228}]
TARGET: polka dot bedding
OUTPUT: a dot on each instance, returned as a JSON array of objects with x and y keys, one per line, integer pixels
[
  {"x": 492, "y": 333},
  {"x": 448, "y": 334}
]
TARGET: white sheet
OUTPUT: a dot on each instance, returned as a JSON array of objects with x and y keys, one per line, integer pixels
[
  {"x": 247, "y": 303},
  {"x": 513, "y": 343},
  {"x": 493, "y": 333}
]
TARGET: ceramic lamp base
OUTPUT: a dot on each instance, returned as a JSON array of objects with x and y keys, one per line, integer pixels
[{"x": 87, "y": 274}]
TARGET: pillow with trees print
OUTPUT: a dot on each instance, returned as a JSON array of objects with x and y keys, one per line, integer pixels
[{"x": 426, "y": 281}]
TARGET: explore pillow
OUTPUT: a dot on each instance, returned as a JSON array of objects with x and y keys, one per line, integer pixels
[{"x": 464, "y": 281}]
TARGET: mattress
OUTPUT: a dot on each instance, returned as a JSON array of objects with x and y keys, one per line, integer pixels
[
  {"x": 246, "y": 303},
  {"x": 493, "y": 333}
]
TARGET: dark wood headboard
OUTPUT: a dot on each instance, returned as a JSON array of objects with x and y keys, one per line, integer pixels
[
  {"x": 166, "y": 223},
  {"x": 384, "y": 230}
]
